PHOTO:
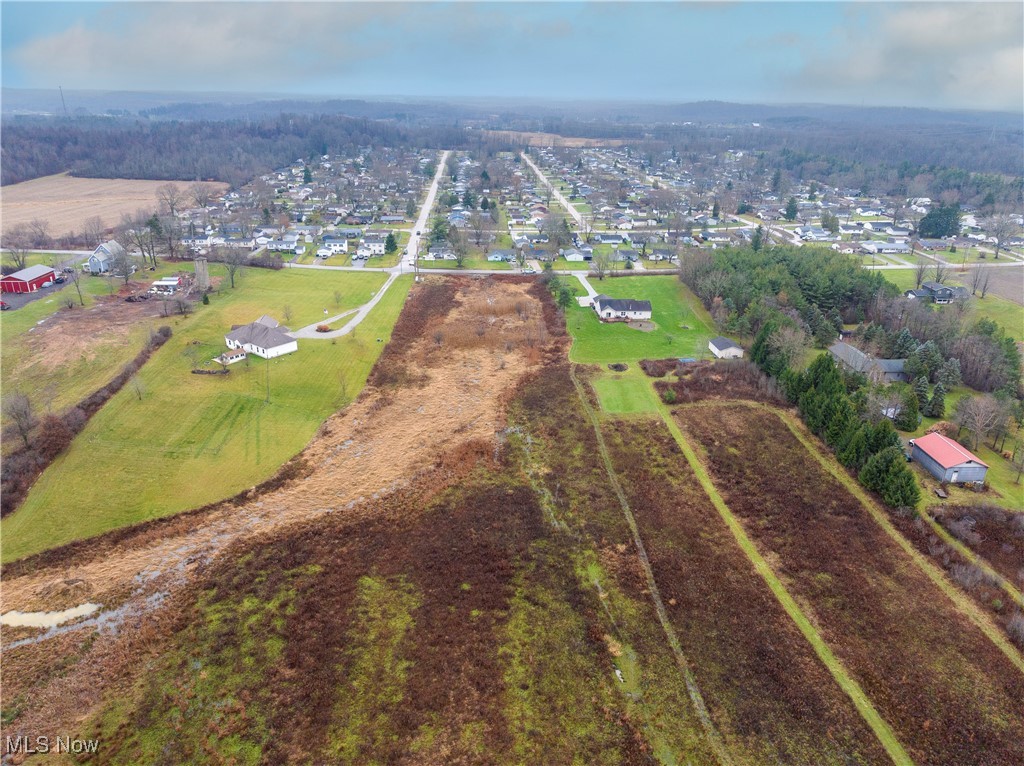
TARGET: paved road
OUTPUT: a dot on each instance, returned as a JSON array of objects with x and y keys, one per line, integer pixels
[
  {"x": 310, "y": 332},
  {"x": 558, "y": 195}
]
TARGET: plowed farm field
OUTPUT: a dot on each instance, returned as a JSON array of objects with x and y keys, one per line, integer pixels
[{"x": 66, "y": 202}]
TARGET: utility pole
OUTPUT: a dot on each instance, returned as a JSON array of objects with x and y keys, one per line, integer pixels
[{"x": 62, "y": 102}]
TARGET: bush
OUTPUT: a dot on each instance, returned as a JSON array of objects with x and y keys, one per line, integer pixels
[
  {"x": 668, "y": 396},
  {"x": 1015, "y": 627}
]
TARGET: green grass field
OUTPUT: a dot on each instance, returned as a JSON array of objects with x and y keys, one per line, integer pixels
[
  {"x": 194, "y": 439},
  {"x": 65, "y": 384},
  {"x": 674, "y": 307},
  {"x": 1000, "y": 310},
  {"x": 624, "y": 392}
]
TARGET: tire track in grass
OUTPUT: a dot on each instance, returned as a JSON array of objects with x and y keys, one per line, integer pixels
[
  {"x": 881, "y": 728},
  {"x": 958, "y": 597},
  {"x": 714, "y": 738}
]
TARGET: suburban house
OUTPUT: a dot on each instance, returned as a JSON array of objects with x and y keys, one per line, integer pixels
[
  {"x": 876, "y": 370},
  {"x": 265, "y": 338},
  {"x": 891, "y": 248},
  {"x": 937, "y": 293},
  {"x": 27, "y": 280},
  {"x": 335, "y": 244},
  {"x": 103, "y": 257},
  {"x": 723, "y": 348},
  {"x": 946, "y": 460},
  {"x": 621, "y": 309}
]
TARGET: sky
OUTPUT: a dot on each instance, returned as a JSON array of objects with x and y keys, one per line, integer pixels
[{"x": 960, "y": 55}]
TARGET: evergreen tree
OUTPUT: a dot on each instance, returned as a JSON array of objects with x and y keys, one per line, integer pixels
[
  {"x": 874, "y": 473},
  {"x": 757, "y": 240},
  {"x": 921, "y": 391},
  {"x": 940, "y": 221},
  {"x": 307, "y": 177},
  {"x": 856, "y": 453},
  {"x": 937, "y": 404},
  {"x": 899, "y": 488},
  {"x": 910, "y": 412},
  {"x": 949, "y": 374},
  {"x": 903, "y": 344},
  {"x": 842, "y": 424},
  {"x": 882, "y": 435},
  {"x": 390, "y": 243},
  {"x": 791, "y": 209}
]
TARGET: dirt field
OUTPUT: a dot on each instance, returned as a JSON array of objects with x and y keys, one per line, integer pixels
[
  {"x": 551, "y": 139},
  {"x": 460, "y": 348},
  {"x": 948, "y": 692},
  {"x": 1006, "y": 283},
  {"x": 67, "y": 202}
]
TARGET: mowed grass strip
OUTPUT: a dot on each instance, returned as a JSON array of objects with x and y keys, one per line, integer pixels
[
  {"x": 683, "y": 326},
  {"x": 842, "y": 676},
  {"x": 195, "y": 439},
  {"x": 962, "y": 602},
  {"x": 623, "y": 393},
  {"x": 946, "y": 690},
  {"x": 748, "y": 656}
]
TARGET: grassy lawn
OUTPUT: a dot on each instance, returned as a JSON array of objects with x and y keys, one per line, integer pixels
[
  {"x": 469, "y": 263},
  {"x": 674, "y": 307},
  {"x": 34, "y": 259},
  {"x": 624, "y": 392},
  {"x": 560, "y": 264},
  {"x": 194, "y": 439},
  {"x": 65, "y": 383},
  {"x": 1000, "y": 310}
]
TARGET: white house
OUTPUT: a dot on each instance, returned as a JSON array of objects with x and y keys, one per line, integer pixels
[
  {"x": 723, "y": 348},
  {"x": 265, "y": 338},
  {"x": 372, "y": 247},
  {"x": 621, "y": 309}
]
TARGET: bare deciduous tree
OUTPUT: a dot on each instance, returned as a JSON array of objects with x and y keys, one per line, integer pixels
[
  {"x": 93, "y": 230},
  {"x": 920, "y": 267},
  {"x": 602, "y": 264},
  {"x": 940, "y": 271},
  {"x": 17, "y": 242},
  {"x": 1001, "y": 227},
  {"x": 40, "y": 231},
  {"x": 202, "y": 193},
  {"x": 789, "y": 342},
  {"x": 234, "y": 259},
  {"x": 17, "y": 408},
  {"x": 981, "y": 415},
  {"x": 75, "y": 277}
]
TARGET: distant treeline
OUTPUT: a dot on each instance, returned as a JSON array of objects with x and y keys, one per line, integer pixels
[{"x": 233, "y": 151}]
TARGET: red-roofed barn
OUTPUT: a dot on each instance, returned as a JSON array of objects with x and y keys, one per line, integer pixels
[
  {"x": 946, "y": 460},
  {"x": 27, "y": 280}
]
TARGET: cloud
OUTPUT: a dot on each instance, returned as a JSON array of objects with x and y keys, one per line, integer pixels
[
  {"x": 962, "y": 55},
  {"x": 213, "y": 46}
]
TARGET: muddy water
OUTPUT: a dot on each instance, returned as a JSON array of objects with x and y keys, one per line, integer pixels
[{"x": 16, "y": 619}]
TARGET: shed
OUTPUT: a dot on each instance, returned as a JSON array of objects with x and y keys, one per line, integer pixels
[
  {"x": 27, "y": 280},
  {"x": 723, "y": 348},
  {"x": 946, "y": 460}
]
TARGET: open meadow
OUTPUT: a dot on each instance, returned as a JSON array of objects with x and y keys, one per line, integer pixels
[
  {"x": 67, "y": 202},
  {"x": 184, "y": 440}
]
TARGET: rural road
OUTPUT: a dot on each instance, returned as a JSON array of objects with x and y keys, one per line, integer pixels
[
  {"x": 557, "y": 194},
  {"x": 309, "y": 331}
]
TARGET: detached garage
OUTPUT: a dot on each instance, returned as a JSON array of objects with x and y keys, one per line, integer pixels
[
  {"x": 27, "y": 280},
  {"x": 723, "y": 348},
  {"x": 946, "y": 460}
]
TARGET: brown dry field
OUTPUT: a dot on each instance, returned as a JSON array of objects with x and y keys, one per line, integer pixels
[
  {"x": 450, "y": 399},
  {"x": 66, "y": 202},
  {"x": 550, "y": 139},
  {"x": 950, "y": 695},
  {"x": 1006, "y": 282}
]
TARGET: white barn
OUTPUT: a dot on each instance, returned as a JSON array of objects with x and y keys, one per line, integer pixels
[
  {"x": 723, "y": 348},
  {"x": 264, "y": 338}
]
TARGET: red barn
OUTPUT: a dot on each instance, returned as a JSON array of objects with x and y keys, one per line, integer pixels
[{"x": 27, "y": 280}]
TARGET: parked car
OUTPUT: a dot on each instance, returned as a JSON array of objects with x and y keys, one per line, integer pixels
[
  {"x": 4, "y": 306},
  {"x": 59, "y": 280},
  {"x": 68, "y": 269},
  {"x": 47, "y": 283}
]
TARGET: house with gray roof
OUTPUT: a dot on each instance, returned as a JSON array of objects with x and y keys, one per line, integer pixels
[
  {"x": 103, "y": 257},
  {"x": 875, "y": 370},
  {"x": 621, "y": 309},
  {"x": 265, "y": 338}
]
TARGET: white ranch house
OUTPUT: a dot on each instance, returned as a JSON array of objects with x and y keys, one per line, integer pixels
[
  {"x": 621, "y": 309},
  {"x": 265, "y": 338}
]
